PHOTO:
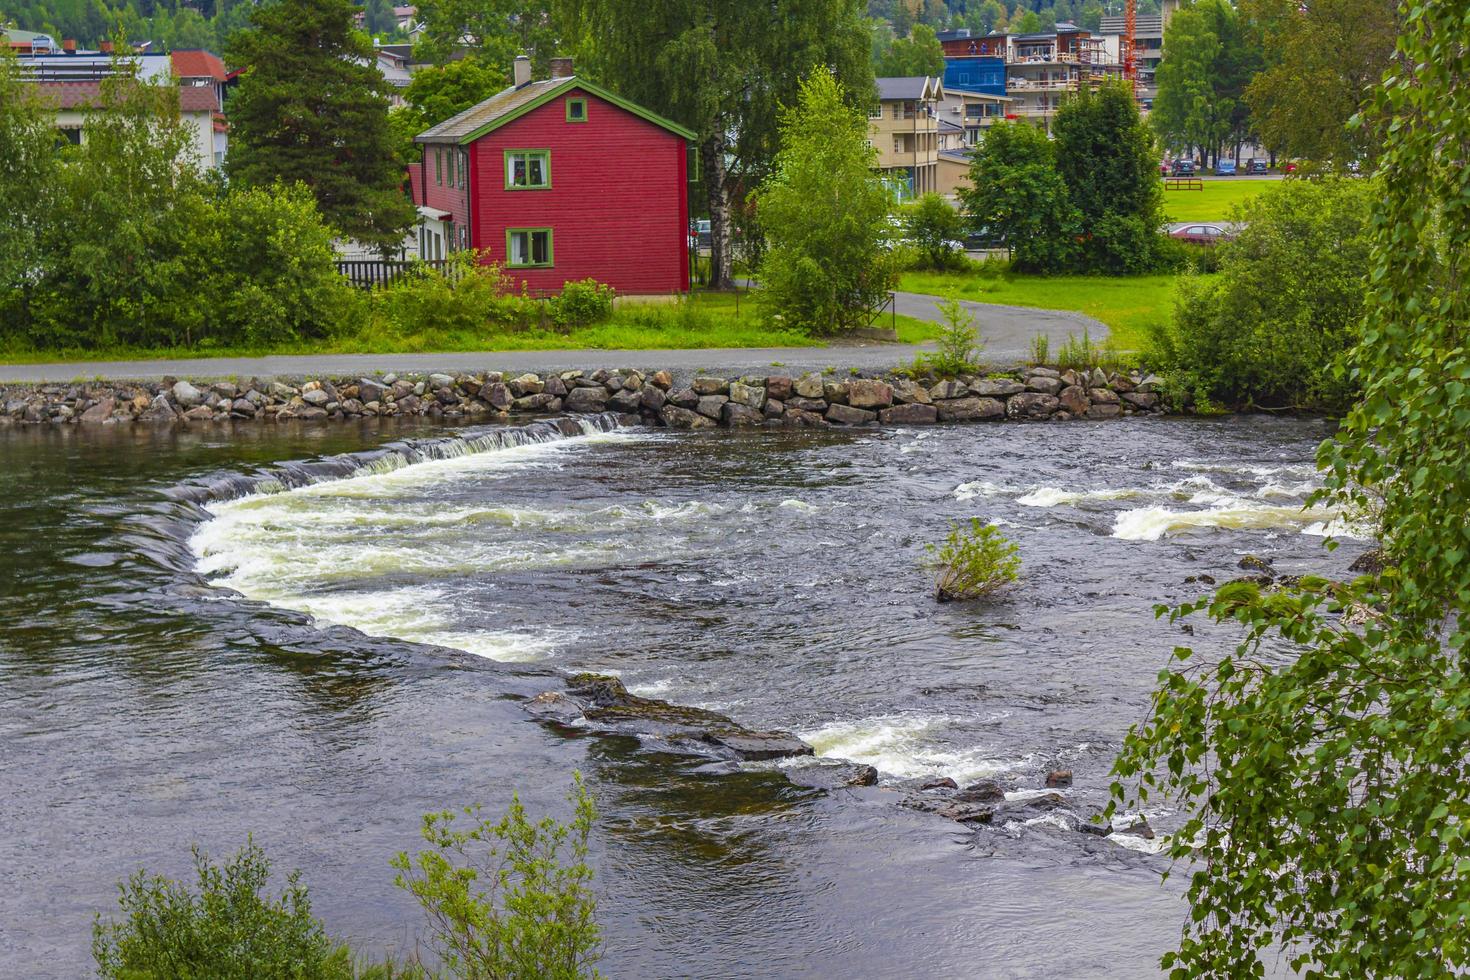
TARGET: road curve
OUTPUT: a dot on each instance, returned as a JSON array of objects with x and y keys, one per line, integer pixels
[{"x": 1006, "y": 331}]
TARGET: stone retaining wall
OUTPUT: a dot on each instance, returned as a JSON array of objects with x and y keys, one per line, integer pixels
[{"x": 704, "y": 402}]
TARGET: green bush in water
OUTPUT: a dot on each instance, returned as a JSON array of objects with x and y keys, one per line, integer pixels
[{"x": 974, "y": 561}]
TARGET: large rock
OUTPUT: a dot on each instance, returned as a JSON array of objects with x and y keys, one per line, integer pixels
[
  {"x": 1141, "y": 399},
  {"x": 808, "y": 386},
  {"x": 543, "y": 402},
  {"x": 100, "y": 412},
  {"x": 801, "y": 418},
  {"x": 748, "y": 395},
  {"x": 187, "y": 395},
  {"x": 652, "y": 397},
  {"x": 997, "y": 387},
  {"x": 847, "y": 415},
  {"x": 1104, "y": 411},
  {"x": 712, "y": 406},
  {"x": 817, "y": 405},
  {"x": 1074, "y": 399},
  {"x": 685, "y": 398},
  {"x": 555, "y": 386},
  {"x": 444, "y": 381},
  {"x": 371, "y": 391},
  {"x": 869, "y": 393},
  {"x": 1042, "y": 372},
  {"x": 159, "y": 410},
  {"x": 705, "y": 385},
  {"x": 735, "y": 415},
  {"x": 970, "y": 409},
  {"x": 949, "y": 390},
  {"x": 625, "y": 402},
  {"x": 497, "y": 395},
  {"x": 1102, "y": 396},
  {"x": 911, "y": 414},
  {"x": 1043, "y": 384},
  {"x": 835, "y": 392},
  {"x": 662, "y": 379},
  {"x": 908, "y": 393},
  {"x": 682, "y": 418},
  {"x": 1032, "y": 405},
  {"x": 315, "y": 397},
  {"x": 779, "y": 387},
  {"x": 586, "y": 400},
  {"x": 526, "y": 384}
]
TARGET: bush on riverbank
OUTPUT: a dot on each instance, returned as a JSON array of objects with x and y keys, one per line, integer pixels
[
  {"x": 503, "y": 899},
  {"x": 1268, "y": 330}
]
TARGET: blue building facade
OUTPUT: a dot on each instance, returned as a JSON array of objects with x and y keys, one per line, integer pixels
[{"x": 984, "y": 75}]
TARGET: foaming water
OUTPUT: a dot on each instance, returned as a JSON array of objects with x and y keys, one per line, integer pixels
[{"x": 778, "y": 577}]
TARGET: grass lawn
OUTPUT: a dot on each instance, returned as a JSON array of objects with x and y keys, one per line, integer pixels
[
  {"x": 709, "y": 320},
  {"x": 1215, "y": 201},
  {"x": 1128, "y": 305}
]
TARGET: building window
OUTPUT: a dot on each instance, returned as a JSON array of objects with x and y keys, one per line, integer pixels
[
  {"x": 576, "y": 110},
  {"x": 876, "y": 113},
  {"x": 527, "y": 248},
  {"x": 527, "y": 170},
  {"x": 438, "y": 166},
  {"x": 898, "y": 144},
  {"x": 453, "y": 159}
]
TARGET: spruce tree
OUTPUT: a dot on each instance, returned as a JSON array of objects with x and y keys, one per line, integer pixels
[{"x": 312, "y": 107}]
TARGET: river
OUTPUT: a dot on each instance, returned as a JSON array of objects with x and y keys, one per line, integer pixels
[{"x": 320, "y": 662}]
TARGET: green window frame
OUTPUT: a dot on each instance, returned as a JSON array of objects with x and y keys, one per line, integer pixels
[
  {"x": 439, "y": 166},
  {"x": 532, "y": 257},
  {"x": 576, "y": 110},
  {"x": 453, "y": 155},
  {"x": 527, "y": 170}
]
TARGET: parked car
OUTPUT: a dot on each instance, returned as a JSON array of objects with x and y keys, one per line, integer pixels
[
  {"x": 1182, "y": 168},
  {"x": 1255, "y": 165},
  {"x": 1224, "y": 168},
  {"x": 1290, "y": 167},
  {"x": 981, "y": 239},
  {"x": 1164, "y": 168},
  {"x": 1207, "y": 234}
]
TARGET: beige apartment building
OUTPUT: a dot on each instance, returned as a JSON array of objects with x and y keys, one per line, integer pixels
[{"x": 904, "y": 129}]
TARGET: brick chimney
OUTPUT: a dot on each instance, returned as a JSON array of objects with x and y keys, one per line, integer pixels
[
  {"x": 561, "y": 68},
  {"x": 69, "y": 45},
  {"x": 521, "y": 71},
  {"x": 105, "y": 47}
]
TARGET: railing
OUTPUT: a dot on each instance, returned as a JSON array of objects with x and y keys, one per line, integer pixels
[
  {"x": 1042, "y": 85},
  {"x": 377, "y": 273},
  {"x": 1183, "y": 184}
]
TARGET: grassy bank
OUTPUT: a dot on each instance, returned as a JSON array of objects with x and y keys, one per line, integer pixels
[
  {"x": 707, "y": 320},
  {"x": 1214, "y": 203},
  {"x": 1128, "y": 305}
]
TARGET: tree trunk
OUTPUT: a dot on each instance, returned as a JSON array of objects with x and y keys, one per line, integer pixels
[{"x": 712, "y": 159}]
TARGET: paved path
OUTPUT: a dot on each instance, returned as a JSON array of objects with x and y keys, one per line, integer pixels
[{"x": 1007, "y": 331}]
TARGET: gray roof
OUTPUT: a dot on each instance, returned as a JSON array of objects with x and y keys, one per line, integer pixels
[
  {"x": 502, "y": 103},
  {"x": 909, "y": 87}
]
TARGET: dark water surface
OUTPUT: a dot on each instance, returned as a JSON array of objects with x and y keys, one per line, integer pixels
[{"x": 771, "y": 576}]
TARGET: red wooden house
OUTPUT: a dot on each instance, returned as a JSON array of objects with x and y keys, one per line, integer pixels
[{"x": 557, "y": 181}]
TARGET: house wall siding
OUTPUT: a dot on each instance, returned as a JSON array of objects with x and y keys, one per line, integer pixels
[
  {"x": 454, "y": 200},
  {"x": 617, "y": 206}
]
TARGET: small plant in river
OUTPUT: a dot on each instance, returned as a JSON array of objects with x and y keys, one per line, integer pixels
[{"x": 974, "y": 561}]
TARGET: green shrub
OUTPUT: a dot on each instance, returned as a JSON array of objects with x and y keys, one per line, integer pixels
[
  {"x": 581, "y": 303},
  {"x": 1084, "y": 354},
  {"x": 935, "y": 229},
  {"x": 464, "y": 296},
  {"x": 1285, "y": 305},
  {"x": 959, "y": 342},
  {"x": 1041, "y": 350},
  {"x": 228, "y": 930},
  {"x": 974, "y": 562},
  {"x": 508, "y": 899}
]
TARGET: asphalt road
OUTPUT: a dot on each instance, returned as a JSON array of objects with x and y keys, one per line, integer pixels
[{"x": 1006, "y": 331}]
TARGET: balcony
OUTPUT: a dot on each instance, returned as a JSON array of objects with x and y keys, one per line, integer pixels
[
  {"x": 1044, "y": 56},
  {"x": 1041, "y": 85}
]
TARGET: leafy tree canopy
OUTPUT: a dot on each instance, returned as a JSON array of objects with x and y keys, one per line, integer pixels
[
  {"x": 917, "y": 54},
  {"x": 312, "y": 108}
]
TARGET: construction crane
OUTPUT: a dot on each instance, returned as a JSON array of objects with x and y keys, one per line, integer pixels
[{"x": 1130, "y": 55}]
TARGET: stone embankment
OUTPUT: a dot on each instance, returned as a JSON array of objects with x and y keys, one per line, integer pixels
[{"x": 704, "y": 402}]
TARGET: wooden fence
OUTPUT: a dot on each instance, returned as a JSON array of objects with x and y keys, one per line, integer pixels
[{"x": 377, "y": 273}]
